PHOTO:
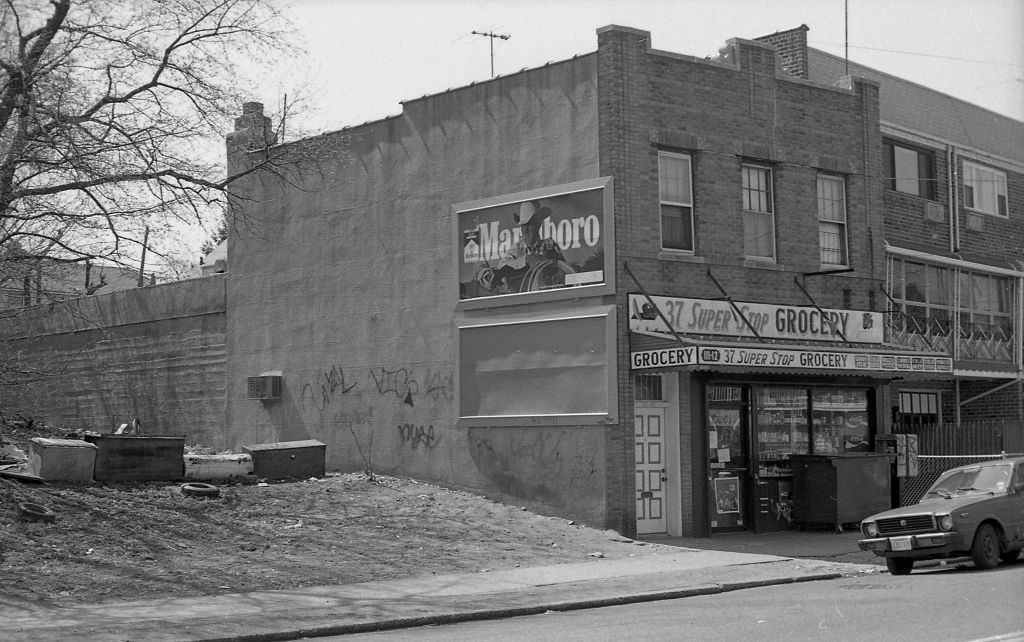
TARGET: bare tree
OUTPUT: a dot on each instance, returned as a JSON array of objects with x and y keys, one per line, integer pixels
[
  {"x": 112, "y": 122},
  {"x": 112, "y": 116}
]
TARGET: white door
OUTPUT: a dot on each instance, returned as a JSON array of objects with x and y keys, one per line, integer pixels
[{"x": 649, "y": 426}]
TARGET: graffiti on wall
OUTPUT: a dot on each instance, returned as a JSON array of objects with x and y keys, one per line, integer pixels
[
  {"x": 416, "y": 436},
  {"x": 401, "y": 383},
  {"x": 326, "y": 385}
]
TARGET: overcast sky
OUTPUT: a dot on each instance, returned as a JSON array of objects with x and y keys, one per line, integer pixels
[{"x": 364, "y": 57}]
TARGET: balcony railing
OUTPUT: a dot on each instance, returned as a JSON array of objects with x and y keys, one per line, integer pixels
[{"x": 973, "y": 341}]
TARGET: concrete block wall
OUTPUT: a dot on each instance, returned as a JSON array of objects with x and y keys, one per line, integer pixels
[
  {"x": 346, "y": 286},
  {"x": 155, "y": 353}
]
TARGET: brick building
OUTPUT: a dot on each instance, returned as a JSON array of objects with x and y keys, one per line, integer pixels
[
  {"x": 630, "y": 288},
  {"x": 624, "y": 288},
  {"x": 952, "y": 199}
]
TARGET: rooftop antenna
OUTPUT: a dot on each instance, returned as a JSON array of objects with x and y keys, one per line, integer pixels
[{"x": 491, "y": 35}]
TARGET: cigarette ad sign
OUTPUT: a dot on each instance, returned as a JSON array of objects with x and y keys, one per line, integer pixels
[
  {"x": 543, "y": 243},
  {"x": 720, "y": 355},
  {"x": 709, "y": 316}
]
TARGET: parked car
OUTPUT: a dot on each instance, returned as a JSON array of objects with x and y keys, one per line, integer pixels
[{"x": 975, "y": 510}]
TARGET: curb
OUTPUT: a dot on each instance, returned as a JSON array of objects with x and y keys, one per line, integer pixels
[{"x": 518, "y": 611}]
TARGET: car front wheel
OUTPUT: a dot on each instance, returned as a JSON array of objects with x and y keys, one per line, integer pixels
[
  {"x": 899, "y": 565},
  {"x": 985, "y": 549}
]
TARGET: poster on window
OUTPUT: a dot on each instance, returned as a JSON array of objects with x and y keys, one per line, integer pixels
[
  {"x": 547, "y": 242},
  {"x": 727, "y": 495}
]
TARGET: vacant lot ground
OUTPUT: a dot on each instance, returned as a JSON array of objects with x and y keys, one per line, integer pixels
[{"x": 138, "y": 540}]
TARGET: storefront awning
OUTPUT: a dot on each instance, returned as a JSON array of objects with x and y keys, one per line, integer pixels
[{"x": 877, "y": 362}]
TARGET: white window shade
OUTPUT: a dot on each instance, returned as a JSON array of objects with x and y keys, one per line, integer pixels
[{"x": 536, "y": 368}]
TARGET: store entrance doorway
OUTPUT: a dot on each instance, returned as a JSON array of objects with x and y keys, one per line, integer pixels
[{"x": 728, "y": 459}]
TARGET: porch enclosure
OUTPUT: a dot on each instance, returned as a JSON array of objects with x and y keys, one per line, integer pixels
[{"x": 965, "y": 313}]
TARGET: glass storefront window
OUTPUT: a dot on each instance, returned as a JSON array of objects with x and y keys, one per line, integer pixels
[
  {"x": 840, "y": 421},
  {"x": 791, "y": 420},
  {"x": 781, "y": 420}
]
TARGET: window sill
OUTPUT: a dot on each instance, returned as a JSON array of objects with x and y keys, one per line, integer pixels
[
  {"x": 682, "y": 257},
  {"x": 971, "y": 210},
  {"x": 758, "y": 264},
  {"x": 914, "y": 197},
  {"x": 825, "y": 269}
]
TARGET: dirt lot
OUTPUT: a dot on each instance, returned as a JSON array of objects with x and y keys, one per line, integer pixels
[{"x": 139, "y": 540}]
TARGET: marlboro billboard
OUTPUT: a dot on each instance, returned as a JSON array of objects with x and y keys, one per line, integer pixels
[{"x": 552, "y": 240}]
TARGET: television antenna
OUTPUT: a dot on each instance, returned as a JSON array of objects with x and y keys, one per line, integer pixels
[{"x": 491, "y": 36}]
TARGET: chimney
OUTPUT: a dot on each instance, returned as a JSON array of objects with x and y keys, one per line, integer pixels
[
  {"x": 791, "y": 49},
  {"x": 253, "y": 131}
]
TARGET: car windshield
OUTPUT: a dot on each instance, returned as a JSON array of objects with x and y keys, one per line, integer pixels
[{"x": 988, "y": 479}]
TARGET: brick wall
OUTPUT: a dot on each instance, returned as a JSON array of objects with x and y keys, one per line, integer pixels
[
  {"x": 723, "y": 112},
  {"x": 791, "y": 46}
]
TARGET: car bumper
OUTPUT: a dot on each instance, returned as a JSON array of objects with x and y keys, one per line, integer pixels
[{"x": 920, "y": 545}]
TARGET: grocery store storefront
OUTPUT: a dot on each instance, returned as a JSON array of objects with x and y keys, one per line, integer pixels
[{"x": 752, "y": 418}]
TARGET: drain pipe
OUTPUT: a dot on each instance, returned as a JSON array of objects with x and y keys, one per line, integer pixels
[{"x": 954, "y": 200}]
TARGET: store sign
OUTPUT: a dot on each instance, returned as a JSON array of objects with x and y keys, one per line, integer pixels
[
  {"x": 662, "y": 358},
  {"x": 709, "y": 316},
  {"x": 551, "y": 241},
  {"x": 783, "y": 358}
]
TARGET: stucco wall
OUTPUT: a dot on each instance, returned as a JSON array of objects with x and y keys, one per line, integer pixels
[
  {"x": 345, "y": 285},
  {"x": 153, "y": 353}
]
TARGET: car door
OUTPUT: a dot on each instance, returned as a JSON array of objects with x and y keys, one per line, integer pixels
[{"x": 1015, "y": 525}]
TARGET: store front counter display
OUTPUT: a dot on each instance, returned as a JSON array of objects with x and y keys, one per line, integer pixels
[
  {"x": 756, "y": 432},
  {"x": 781, "y": 419}
]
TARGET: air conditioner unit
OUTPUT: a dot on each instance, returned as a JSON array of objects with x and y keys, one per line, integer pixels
[{"x": 265, "y": 387}]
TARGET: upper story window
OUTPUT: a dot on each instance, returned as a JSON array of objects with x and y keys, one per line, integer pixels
[
  {"x": 985, "y": 190},
  {"x": 832, "y": 232},
  {"x": 675, "y": 186},
  {"x": 909, "y": 170},
  {"x": 758, "y": 212}
]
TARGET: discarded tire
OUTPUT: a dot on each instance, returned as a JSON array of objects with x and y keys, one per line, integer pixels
[
  {"x": 199, "y": 489},
  {"x": 36, "y": 512}
]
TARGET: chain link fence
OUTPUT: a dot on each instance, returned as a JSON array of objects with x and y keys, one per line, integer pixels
[
  {"x": 944, "y": 446},
  {"x": 912, "y": 489}
]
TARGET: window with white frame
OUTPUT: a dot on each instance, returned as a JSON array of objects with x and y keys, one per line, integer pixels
[
  {"x": 675, "y": 187},
  {"x": 918, "y": 409},
  {"x": 832, "y": 220},
  {"x": 985, "y": 190},
  {"x": 758, "y": 212},
  {"x": 909, "y": 170}
]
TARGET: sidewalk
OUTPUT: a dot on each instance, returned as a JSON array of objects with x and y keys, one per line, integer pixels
[{"x": 335, "y": 610}]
